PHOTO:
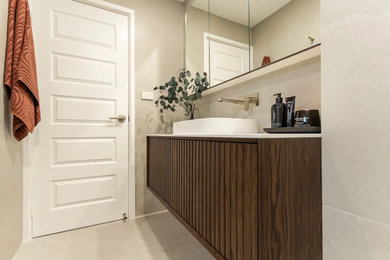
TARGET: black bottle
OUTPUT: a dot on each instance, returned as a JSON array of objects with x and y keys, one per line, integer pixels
[{"x": 278, "y": 112}]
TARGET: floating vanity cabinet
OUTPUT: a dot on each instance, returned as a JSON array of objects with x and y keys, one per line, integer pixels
[{"x": 242, "y": 198}]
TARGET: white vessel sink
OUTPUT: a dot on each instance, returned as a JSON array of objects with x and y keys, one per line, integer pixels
[{"x": 219, "y": 126}]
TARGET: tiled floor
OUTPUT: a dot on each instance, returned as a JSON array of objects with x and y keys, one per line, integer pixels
[{"x": 159, "y": 237}]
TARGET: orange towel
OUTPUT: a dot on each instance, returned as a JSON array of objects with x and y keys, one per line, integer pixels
[{"x": 20, "y": 70}]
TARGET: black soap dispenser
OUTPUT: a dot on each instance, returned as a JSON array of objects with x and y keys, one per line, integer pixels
[{"x": 278, "y": 112}]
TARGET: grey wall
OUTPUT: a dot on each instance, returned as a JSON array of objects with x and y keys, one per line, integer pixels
[
  {"x": 302, "y": 80},
  {"x": 159, "y": 36},
  {"x": 11, "y": 184},
  {"x": 356, "y": 121}
]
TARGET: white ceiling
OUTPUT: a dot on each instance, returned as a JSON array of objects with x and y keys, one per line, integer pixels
[{"x": 237, "y": 10}]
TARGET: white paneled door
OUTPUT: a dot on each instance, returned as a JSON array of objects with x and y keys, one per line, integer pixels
[
  {"x": 80, "y": 165},
  {"x": 228, "y": 58}
]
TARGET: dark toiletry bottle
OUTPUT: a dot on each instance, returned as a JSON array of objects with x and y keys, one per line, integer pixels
[
  {"x": 290, "y": 111},
  {"x": 278, "y": 112}
]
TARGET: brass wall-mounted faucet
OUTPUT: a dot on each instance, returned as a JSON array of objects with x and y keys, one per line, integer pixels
[{"x": 246, "y": 101}]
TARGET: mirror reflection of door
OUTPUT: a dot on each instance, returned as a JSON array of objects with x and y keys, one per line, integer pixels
[{"x": 225, "y": 58}]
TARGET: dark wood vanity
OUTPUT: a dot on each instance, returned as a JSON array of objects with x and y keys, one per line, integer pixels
[{"x": 242, "y": 198}]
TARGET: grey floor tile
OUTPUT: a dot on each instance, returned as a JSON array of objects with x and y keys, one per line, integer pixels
[{"x": 159, "y": 237}]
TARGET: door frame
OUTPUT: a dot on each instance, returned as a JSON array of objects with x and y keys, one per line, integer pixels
[{"x": 28, "y": 157}]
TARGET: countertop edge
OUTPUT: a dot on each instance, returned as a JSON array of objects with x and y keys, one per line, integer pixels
[{"x": 249, "y": 136}]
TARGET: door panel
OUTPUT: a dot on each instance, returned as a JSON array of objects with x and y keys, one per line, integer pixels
[
  {"x": 83, "y": 29},
  {"x": 84, "y": 190},
  {"x": 83, "y": 150},
  {"x": 80, "y": 155},
  {"x": 83, "y": 110},
  {"x": 72, "y": 69}
]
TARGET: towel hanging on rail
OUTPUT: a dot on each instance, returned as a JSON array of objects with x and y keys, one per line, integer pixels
[{"x": 20, "y": 70}]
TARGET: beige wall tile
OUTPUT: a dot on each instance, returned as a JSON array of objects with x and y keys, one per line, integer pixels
[
  {"x": 350, "y": 237},
  {"x": 355, "y": 94},
  {"x": 333, "y": 10},
  {"x": 355, "y": 72},
  {"x": 11, "y": 181}
]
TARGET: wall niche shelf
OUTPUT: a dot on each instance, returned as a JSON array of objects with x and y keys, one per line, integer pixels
[{"x": 293, "y": 59}]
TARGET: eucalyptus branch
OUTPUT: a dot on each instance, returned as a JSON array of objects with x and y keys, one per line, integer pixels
[{"x": 181, "y": 90}]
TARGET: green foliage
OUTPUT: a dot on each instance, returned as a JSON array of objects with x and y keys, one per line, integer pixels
[{"x": 182, "y": 90}]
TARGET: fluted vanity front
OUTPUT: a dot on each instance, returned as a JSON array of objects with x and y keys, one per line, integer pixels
[{"x": 243, "y": 197}]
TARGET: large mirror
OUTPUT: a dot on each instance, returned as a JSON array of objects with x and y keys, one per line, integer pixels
[
  {"x": 227, "y": 38},
  {"x": 197, "y": 17},
  {"x": 280, "y": 28},
  {"x": 217, "y": 38},
  {"x": 229, "y": 54}
]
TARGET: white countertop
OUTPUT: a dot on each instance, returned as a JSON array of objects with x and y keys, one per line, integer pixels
[{"x": 259, "y": 136}]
